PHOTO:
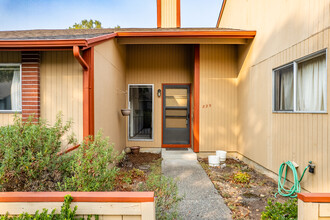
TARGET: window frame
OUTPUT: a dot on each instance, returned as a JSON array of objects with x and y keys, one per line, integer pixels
[
  {"x": 20, "y": 70},
  {"x": 295, "y": 64},
  {"x": 152, "y": 115}
]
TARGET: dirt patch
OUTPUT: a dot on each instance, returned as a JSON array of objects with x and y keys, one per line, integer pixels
[
  {"x": 244, "y": 190},
  {"x": 134, "y": 169}
]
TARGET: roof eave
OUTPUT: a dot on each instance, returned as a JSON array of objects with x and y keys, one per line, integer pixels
[
  {"x": 201, "y": 34},
  {"x": 42, "y": 44}
]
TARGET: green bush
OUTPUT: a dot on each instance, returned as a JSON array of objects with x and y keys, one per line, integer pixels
[
  {"x": 241, "y": 177},
  {"x": 66, "y": 213},
  {"x": 281, "y": 211},
  {"x": 93, "y": 166},
  {"x": 28, "y": 155},
  {"x": 166, "y": 194}
]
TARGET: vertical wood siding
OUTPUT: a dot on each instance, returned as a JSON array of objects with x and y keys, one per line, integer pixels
[
  {"x": 168, "y": 13},
  {"x": 61, "y": 89},
  {"x": 272, "y": 138},
  {"x": 8, "y": 57},
  {"x": 279, "y": 23},
  {"x": 157, "y": 64},
  {"x": 218, "y": 98},
  {"x": 110, "y": 91}
]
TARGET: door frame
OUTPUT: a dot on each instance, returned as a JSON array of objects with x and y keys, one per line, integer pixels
[{"x": 190, "y": 125}]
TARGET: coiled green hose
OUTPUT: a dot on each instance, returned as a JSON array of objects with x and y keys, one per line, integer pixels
[{"x": 296, "y": 188}]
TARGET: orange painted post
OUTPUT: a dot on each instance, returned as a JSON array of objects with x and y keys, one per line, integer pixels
[{"x": 196, "y": 97}]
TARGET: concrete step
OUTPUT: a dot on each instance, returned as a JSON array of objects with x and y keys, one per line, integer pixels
[{"x": 179, "y": 155}]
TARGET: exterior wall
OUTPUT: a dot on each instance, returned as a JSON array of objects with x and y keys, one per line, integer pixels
[
  {"x": 272, "y": 138},
  {"x": 218, "y": 98},
  {"x": 61, "y": 89},
  {"x": 168, "y": 13},
  {"x": 157, "y": 64},
  {"x": 8, "y": 57},
  {"x": 110, "y": 91}
]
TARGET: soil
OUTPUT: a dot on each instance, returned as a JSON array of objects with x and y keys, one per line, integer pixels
[
  {"x": 245, "y": 200},
  {"x": 134, "y": 170}
]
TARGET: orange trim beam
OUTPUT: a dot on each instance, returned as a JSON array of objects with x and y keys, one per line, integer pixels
[
  {"x": 221, "y": 12},
  {"x": 196, "y": 97},
  {"x": 205, "y": 34},
  {"x": 77, "y": 196},
  {"x": 178, "y": 13},
  {"x": 314, "y": 197},
  {"x": 159, "y": 13},
  {"x": 42, "y": 43}
]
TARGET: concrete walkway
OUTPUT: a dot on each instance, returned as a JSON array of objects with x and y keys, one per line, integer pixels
[{"x": 201, "y": 199}]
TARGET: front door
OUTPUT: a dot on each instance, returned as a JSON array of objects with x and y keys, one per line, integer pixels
[{"x": 176, "y": 115}]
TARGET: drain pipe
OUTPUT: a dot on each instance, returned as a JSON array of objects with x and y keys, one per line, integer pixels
[
  {"x": 87, "y": 91},
  {"x": 76, "y": 54}
]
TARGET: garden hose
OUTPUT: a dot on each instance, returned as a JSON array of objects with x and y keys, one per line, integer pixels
[{"x": 296, "y": 188}]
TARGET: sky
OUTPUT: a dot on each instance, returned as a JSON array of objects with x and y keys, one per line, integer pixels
[{"x": 61, "y": 14}]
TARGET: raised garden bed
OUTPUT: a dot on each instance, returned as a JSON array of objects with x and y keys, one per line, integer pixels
[{"x": 244, "y": 190}]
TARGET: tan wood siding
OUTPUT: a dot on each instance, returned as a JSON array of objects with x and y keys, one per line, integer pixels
[
  {"x": 110, "y": 91},
  {"x": 157, "y": 64},
  {"x": 8, "y": 57},
  {"x": 218, "y": 98},
  {"x": 168, "y": 13},
  {"x": 272, "y": 138},
  {"x": 279, "y": 23},
  {"x": 61, "y": 89}
]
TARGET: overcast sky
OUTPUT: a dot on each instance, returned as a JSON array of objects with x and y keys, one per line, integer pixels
[{"x": 60, "y": 14}]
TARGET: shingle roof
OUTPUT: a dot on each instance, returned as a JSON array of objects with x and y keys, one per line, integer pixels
[{"x": 61, "y": 34}]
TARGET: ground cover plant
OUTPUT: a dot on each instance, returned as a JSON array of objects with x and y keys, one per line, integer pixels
[
  {"x": 246, "y": 192},
  {"x": 277, "y": 210},
  {"x": 66, "y": 213}
]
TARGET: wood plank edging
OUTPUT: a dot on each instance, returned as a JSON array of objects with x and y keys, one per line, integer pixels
[
  {"x": 77, "y": 196},
  {"x": 314, "y": 197}
]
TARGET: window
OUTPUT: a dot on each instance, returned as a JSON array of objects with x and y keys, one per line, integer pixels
[
  {"x": 10, "y": 87},
  {"x": 301, "y": 86},
  {"x": 140, "y": 101}
]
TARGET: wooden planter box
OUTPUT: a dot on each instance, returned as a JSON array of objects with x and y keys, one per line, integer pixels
[
  {"x": 313, "y": 206},
  {"x": 107, "y": 205}
]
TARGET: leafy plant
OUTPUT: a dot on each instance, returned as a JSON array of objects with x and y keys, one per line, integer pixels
[
  {"x": 241, "y": 177},
  {"x": 66, "y": 213},
  {"x": 93, "y": 167},
  {"x": 28, "y": 155},
  {"x": 281, "y": 211},
  {"x": 166, "y": 193}
]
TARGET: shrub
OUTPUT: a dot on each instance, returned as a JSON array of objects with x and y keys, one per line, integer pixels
[
  {"x": 281, "y": 211},
  {"x": 28, "y": 160},
  {"x": 241, "y": 177},
  {"x": 166, "y": 194},
  {"x": 93, "y": 167},
  {"x": 66, "y": 213}
]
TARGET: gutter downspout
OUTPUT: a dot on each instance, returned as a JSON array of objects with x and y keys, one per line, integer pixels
[
  {"x": 76, "y": 54},
  {"x": 88, "y": 89}
]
